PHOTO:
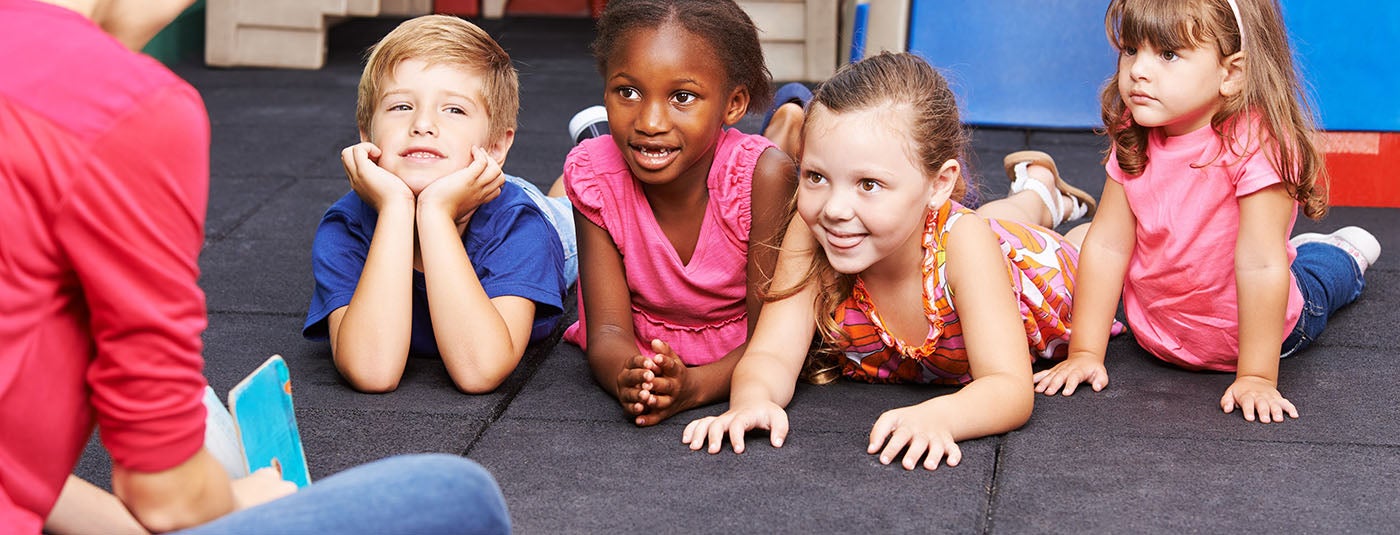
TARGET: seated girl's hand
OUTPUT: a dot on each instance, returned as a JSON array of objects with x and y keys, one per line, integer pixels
[
  {"x": 664, "y": 394},
  {"x": 923, "y": 428},
  {"x": 1069, "y": 373},
  {"x": 1256, "y": 395},
  {"x": 735, "y": 421}
]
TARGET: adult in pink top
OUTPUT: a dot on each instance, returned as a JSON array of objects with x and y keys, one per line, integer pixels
[
  {"x": 697, "y": 307},
  {"x": 100, "y": 310},
  {"x": 104, "y": 176},
  {"x": 1182, "y": 305}
]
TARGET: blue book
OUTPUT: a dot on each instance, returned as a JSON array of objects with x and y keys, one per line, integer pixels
[{"x": 261, "y": 407}]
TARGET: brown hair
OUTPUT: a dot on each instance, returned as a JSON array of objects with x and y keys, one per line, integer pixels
[
  {"x": 444, "y": 40},
  {"x": 729, "y": 31},
  {"x": 906, "y": 86},
  {"x": 1271, "y": 90}
]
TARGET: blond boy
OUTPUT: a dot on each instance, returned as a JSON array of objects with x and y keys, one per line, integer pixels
[{"x": 434, "y": 252}]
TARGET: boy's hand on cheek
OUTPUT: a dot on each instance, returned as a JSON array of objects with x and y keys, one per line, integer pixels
[
  {"x": 461, "y": 192},
  {"x": 372, "y": 183}
]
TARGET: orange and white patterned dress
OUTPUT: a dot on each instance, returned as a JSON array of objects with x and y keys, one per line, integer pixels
[{"x": 1041, "y": 266}]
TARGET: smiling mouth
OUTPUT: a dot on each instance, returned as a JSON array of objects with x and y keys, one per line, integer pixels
[
  {"x": 655, "y": 153},
  {"x": 654, "y": 158},
  {"x": 421, "y": 155},
  {"x": 842, "y": 241}
]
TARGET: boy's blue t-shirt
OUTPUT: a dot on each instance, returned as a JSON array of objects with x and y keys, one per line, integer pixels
[{"x": 511, "y": 244}]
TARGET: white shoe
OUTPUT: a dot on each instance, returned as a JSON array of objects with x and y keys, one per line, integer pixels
[
  {"x": 1361, "y": 245},
  {"x": 588, "y": 123}
]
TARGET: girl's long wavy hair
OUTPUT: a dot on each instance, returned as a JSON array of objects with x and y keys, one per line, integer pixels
[
  {"x": 1272, "y": 90},
  {"x": 905, "y": 86}
]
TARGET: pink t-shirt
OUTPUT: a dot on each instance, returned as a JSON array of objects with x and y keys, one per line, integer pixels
[
  {"x": 1179, "y": 295},
  {"x": 698, "y": 308},
  {"x": 104, "y": 172}
]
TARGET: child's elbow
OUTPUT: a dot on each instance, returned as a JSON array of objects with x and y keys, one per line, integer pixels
[
  {"x": 370, "y": 381},
  {"x": 478, "y": 370},
  {"x": 373, "y": 384},
  {"x": 1021, "y": 411},
  {"x": 478, "y": 383}
]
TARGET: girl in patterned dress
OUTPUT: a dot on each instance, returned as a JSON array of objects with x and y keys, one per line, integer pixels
[{"x": 902, "y": 282}]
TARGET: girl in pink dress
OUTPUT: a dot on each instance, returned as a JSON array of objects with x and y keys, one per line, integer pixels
[{"x": 667, "y": 205}]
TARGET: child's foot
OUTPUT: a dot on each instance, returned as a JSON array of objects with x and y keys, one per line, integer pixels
[
  {"x": 791, "y": 93},
  {"x": 785, "y": 128},
  {"x": 1361, "y": 245},
  {"x": 1036, "y": 171},
  {"x": 588, "y": 123}
]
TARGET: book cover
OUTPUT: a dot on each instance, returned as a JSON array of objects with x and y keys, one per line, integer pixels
[{"x": 261, "y": 406}]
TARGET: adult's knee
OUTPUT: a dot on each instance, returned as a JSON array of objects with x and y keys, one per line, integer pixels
[{"x": 459, "y": 491}]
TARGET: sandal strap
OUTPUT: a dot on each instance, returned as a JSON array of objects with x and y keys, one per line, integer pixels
[{"x": 1052, "y": 201}]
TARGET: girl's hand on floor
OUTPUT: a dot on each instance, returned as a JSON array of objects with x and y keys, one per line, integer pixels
[
  {"x": 735, "y": 421},
  {"x": 1070, "y": 373},
  {"x": 923, "y": 428},
  {"x": 1254, "y": 395}
]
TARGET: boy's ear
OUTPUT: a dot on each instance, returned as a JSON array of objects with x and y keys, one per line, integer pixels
[
  {"x": 500, "y": 147},
  {"x": 1233, "y": 83},
  {"x": 363, "y": 136},
  {"x": 737, "y": 106},
  {"x": 944, "y": 183}
]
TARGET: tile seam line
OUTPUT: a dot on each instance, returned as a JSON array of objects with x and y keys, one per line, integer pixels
[
  {"x": 248, "y": 214},
  {"x": 993, "y": 489},
  {"x": 506, "y": 399}
]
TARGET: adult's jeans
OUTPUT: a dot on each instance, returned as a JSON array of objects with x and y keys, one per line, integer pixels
[{"x": 420, "y": 494}]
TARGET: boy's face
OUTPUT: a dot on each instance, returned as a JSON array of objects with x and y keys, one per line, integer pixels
[{"x": 426, "y": 121}]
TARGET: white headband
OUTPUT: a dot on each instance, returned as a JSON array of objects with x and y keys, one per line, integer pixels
[{"x": 1239, "y": 22}]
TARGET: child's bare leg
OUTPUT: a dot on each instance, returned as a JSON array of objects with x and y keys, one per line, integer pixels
[
  {"x": 786, "y": 127},
  {"x": 557, "y": 190}
]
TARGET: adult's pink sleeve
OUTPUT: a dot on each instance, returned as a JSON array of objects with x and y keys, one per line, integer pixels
[{"x": 132, "y": 229}]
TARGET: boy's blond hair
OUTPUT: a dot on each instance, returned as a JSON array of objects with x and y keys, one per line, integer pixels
[{"x": 444, "y": 40}]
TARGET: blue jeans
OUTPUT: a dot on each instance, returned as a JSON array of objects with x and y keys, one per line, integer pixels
[
  {"x": 560, "y": 213},
  {"x": 1329, "y": 279},
  {"x": 429, "y": 493}
]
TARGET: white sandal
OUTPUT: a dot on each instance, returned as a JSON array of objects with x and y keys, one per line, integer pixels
[{"x": 1017, "y": 165}]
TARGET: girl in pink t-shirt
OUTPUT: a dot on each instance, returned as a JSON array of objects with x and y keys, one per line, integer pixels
[
  {"x": 1212, "y": 155},
  {"x": 667, "y": 205}
]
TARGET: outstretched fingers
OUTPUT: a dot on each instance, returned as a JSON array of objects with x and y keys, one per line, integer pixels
[{"x": 712, "y": 429}]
